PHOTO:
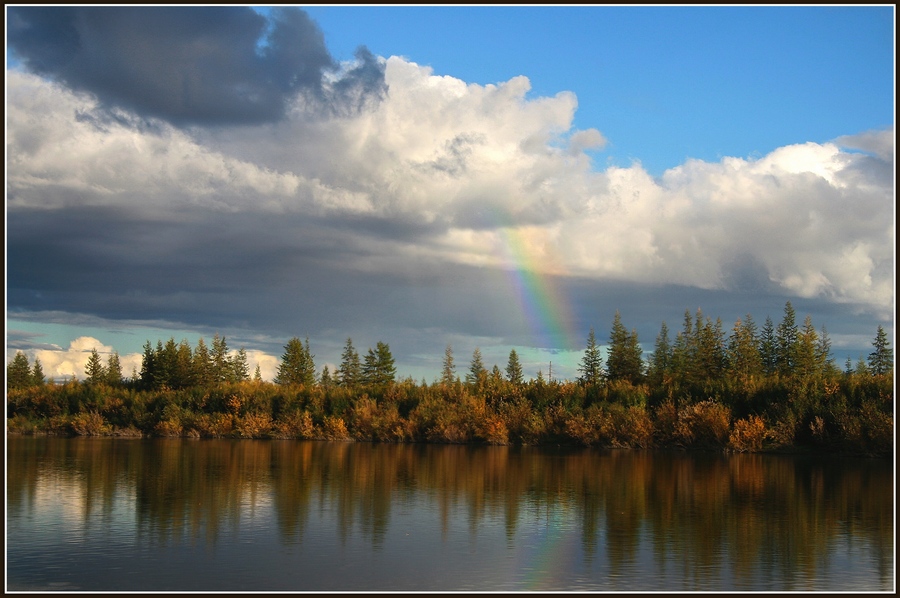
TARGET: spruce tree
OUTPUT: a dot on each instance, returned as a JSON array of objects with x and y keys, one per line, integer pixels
[
  {"x": 326, "y": 379},
  {"x": 514, "y": 371},
  {"x": 183, "y": 374},
  {"x": 806, "y": 352},
  {"x": 624, "y": 361},
  {"x": 202, "y": 364},
  {"x": 634, "y": 358},
  {"x": 448, "y": 370},
  {"x": 710, "y": 356},
  {"x": 297, "y": 365},
  {"x": 113, "y": 370},
  {"x": 240, "y": 367},
  {"x": 18, "y": 372},
  {"x": 684, "y": 351},
  {"x": 743, "y": 350},
  {"x": 378, "y": 366},
  {"x": 350, "y": 370},
  {"x": 786, "y": 341},
  {"x": 496, "y": 375},
  {"x": 823, "y": 353},
  {"x": 881, "y": 360},
  {"x": 477, "y": 373},
  {"x": 94, "y": 370},
  {"x": 661, "y": 361},
  {"x": 768, "y": 347},
  {"x": 166, "y": 356},
  {"x": 37, "y": 374},
  {"x": 149, "y": 378},
  {"x": 591, "y": 366},
  {"x": 616, "y": 356},
  {"x": 221, "y": 364}
]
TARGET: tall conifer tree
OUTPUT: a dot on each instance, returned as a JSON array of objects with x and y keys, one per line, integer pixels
[
  {"x": 94, "y": 370},
  {"x": 514, "y": 371},
  {"x": 113, "y": 370},
  {"x": 591, "y": 366},
  {"x": 37, "y": 374},
  {"x": 350, "y": 370},
  {"x": 786, "y": 341},
  {"x": 448, "y": 369},
  {"x": 18, "y": 372},
  {"x": 881, "y": 360},
  {"x": 297, "y": 365},
  {"x": 477, "y": 373}
]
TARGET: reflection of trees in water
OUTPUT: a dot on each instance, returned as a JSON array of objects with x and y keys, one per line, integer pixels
[{"x": 762, "y": 518}]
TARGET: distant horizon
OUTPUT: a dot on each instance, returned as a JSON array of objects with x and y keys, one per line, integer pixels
[{"x": 569, "y": 361}]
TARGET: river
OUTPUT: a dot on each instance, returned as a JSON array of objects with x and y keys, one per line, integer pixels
[{"x": 112, "y": 514}]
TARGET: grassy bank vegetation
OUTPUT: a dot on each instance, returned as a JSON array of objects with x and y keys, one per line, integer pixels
[{"x": 851, "y": 413}]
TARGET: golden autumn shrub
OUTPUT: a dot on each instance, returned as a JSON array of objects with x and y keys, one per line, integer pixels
[
  {"x": 295, "y": 424},
  {"x": 334, "y": 428},
  {"x": 747, "y": 435},
  {"x": 253, "y": 425},
  {"x": 89, "y": 424}
]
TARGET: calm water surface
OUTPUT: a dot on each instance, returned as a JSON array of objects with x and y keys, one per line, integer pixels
[{"x": 246, "y": 515}]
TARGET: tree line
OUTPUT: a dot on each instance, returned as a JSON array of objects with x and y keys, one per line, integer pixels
[{"x": 774, "y": 381}]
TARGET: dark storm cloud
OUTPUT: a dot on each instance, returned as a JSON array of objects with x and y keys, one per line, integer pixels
[
  {"x": 205, "y": 268},
  {"x": 190, "y": 65}
]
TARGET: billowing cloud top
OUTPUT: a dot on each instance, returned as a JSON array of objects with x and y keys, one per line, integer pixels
[{"x": 412, "y": 184}]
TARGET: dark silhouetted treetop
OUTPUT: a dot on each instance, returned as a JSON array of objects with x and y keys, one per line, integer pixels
[
  {"x": 881, "y": 360},
  {"x": 591, "y": 366},
  {"x": 786, "y": 341},
  {"x": 378, "y": 366},
  {"x": 113, "y": 370},
  {"x": 477, "y": 372},
  {"x": 514, "y": 371},
  {"x": 18, "y": 372},
  {"x": 624, "y": 361},
  {"x": 94, "y": 371},
  {"x": 37, "y": 374},
  {"x": 350, "y": 370},
  {"x": 297, "y": 366},
  {"x": 448, "y": 370}
]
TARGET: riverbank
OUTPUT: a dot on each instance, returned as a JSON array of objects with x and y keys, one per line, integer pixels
[{"x": 554, "y": 414}]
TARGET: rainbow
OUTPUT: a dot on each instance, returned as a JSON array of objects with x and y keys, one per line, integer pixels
[{"x": 528, "y": 258}]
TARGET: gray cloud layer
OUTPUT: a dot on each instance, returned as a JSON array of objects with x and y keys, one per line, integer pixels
[{"x": 190, "y": 65}]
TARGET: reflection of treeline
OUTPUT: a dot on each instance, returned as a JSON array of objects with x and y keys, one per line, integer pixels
[
  {"x": 755, "y": 515},
  {"x": 753, "y": 390}
]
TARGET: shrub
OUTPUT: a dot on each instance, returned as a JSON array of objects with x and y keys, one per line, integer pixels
[
  {"x": 635, "y": 429},
  {"x": 214, "y": 425},
  {"x": 89, "y": 424},
  {"x": 334, "y": 428},
  {"x": 169, "y": 427},
  {"x": 253, "y": 425},
  {"x": 524, "y": 425},
  {"x": 20, "y": 424},
  {"x": 709, "y": 423},
  {"x": 782, "y": 433},
  {"x": 878, "y": 429},
  {"x": 747, "y": 435},
  {"x": 665, "y": 428},
  {"x": 494, "y": 430},
  {"x": 578, "y": 430},
  {"x": 296, "y": 424}
]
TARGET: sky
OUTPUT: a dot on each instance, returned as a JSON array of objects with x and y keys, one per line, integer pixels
[{"x": 480, "y": 177}]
